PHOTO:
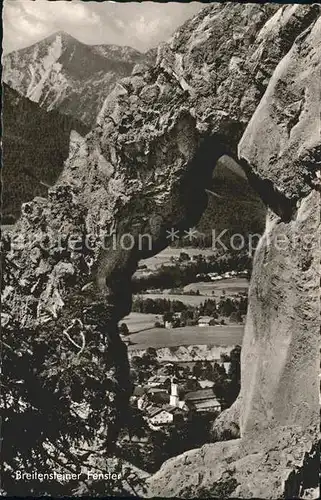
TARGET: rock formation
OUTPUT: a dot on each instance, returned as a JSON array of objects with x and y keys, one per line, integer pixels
[{"x": 236, "y": 80}]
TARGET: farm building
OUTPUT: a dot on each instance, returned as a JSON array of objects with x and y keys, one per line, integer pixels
[
  {"x": 158, "y": 380},
  {"x": 175, "y": 400},
  {"x": 156, "y": 390},
  {"x": 205, "y": 321},
  {"x": 203, "y": 400}
]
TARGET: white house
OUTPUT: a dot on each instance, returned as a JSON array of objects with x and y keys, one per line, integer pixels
[
  {"x": 206, "y": 383},
  {"x": 176, "y": 317},
  {"x": 142, "y": 402},
  {"x": 204, "y": 320},
  {"x": 164, "y": 415}
]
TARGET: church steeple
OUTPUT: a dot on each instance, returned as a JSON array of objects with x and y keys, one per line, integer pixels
[{"x": 174, "y": 398}]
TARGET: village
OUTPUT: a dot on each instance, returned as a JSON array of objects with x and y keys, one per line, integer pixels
[
  {"x": 184, "y": 343},
  {"x": 165, "y": 400},
  {"x": 169, "y": 392},
  {"x": 175, "y": 404}
]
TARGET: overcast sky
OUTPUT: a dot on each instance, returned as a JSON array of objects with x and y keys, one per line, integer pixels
[{"x": 139, "y": 25}]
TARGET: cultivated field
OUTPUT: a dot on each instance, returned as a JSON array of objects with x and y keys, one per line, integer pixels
[
  {"x": 189, "y": 335},
  {"x": 164, "y": 257},
  {"x": 139, "y": 321},
  {"x": 232, "y": 286},
  {"x": 190, "y": 300}
]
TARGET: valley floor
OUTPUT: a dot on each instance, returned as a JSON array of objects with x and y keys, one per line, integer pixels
[{"x": 227, "y": 335}]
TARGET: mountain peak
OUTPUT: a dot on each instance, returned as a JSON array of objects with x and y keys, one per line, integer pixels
[
  {"x": 64, "y": 68},
  {"x": 65, "y": 37},
  {"x": 64, "y": 34}
]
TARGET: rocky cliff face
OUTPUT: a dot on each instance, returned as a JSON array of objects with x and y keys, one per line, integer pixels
[
  {"x": 144, "y": 169},
  {"x": 278, "y": 404},
  {"x": 288, "y": 257},
  {"x": 62, "y": 73}
]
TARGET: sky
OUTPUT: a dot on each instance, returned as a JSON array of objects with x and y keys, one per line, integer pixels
[{"x": 139, "y": 25}]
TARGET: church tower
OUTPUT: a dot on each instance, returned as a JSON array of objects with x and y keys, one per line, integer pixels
[{"x": 174, "y": 399}]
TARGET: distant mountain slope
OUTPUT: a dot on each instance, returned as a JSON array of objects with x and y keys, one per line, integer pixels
[
  {"x": 233, "y": 208},
  {"x": 35, "y": 143},
  {"x": 62, "y": 73}
]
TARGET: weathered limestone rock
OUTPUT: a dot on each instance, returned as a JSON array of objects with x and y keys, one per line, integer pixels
[
  {"x": 284, "y": 313},
  {"x": 279, "y": 400},
  {"x": 227, "y": 424},
  {"x": 254, "y": 468},
  {"x": 288, "y": 117},
  {"x": 144, "y": 169},
  {"x": 283, "y": 322},
  {"x": 278, "y": 405}
]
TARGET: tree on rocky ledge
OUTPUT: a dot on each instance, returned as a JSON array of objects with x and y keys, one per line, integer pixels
[
  {"x": 57, "y": 395},
  {"x": 123, "y": 329}
]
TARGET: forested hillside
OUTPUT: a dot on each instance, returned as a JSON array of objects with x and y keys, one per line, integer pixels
[
  {"x": 237, "y": 207},
  {"x": 35, "y": 145}
]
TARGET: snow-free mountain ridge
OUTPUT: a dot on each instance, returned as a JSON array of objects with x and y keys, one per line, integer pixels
[{"x": 60, "y": 72}]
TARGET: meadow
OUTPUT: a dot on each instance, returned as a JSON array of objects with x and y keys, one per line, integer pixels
[
  {"x": 188, "y": 335},
  {"x": 232, "y": 286},
  {"x": 164, "y": 257},
  {"x": 214, "y": 289}
]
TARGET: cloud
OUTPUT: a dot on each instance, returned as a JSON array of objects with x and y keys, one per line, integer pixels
[
  {"x": 57, "y": 12},
  {"x": 18, "y": 27},
  {"x": 140, "y": 25}
]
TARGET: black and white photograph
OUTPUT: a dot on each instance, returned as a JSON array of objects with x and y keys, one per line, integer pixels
[{"x": 160, "y": 249}]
